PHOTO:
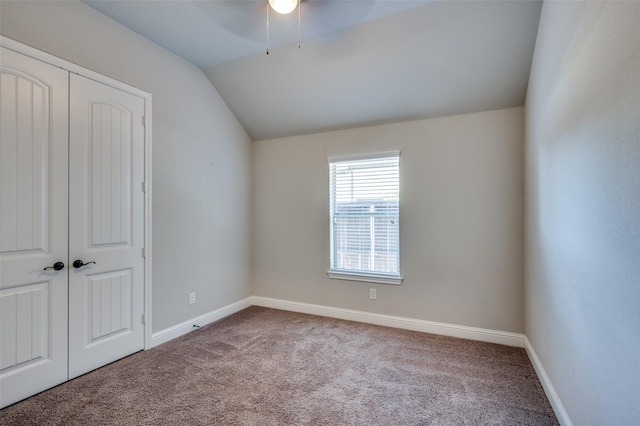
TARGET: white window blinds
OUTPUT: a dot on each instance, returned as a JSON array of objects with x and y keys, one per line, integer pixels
[{"x": 364, "y": 216}]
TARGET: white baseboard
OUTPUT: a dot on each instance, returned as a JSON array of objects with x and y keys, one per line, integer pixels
[
  {"x": 178, "y": 330},
  {"x": 549, "y": 389},
  {"x": 472, "y": 333}
]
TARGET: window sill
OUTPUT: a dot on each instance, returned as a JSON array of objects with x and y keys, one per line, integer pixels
[{"x": 352, "y": 276}]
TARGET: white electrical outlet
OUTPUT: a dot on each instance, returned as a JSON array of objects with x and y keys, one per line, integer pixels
[
  {"x": 192, "y": 298},
  {"x": 372, "y": 293}
]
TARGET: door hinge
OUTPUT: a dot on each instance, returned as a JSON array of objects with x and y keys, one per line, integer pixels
[
  {"x": 143, "y": 319},
  {"x": 143, "y": 253},
  {"x": 144, "y": 121},
  {"x": 142, "y": 185}
]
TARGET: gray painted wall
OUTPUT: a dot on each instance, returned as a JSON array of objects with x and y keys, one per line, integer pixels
[
  {"x": 201, "y": 154},
  {"x": 583, "y": 207},
  {"x": 461, "y": 219}
]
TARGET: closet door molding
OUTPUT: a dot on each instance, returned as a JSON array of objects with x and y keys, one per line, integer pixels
[{"x": 147, "y": 184}]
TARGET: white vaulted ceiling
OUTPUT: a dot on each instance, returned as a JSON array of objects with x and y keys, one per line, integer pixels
[{"x": 361, "y": 62}]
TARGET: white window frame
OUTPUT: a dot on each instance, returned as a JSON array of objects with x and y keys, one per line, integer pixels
[{"x": 357, "y": 275}]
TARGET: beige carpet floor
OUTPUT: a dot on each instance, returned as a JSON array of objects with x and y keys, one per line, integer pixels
[{"x": 269, "y": 367}]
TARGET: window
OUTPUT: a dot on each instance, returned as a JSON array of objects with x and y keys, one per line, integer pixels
[{"x": 364, "y": 214}]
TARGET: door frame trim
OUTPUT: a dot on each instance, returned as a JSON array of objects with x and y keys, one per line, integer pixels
[{"x": 85, "y": 72}]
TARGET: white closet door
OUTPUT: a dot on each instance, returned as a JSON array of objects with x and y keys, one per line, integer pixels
[
  {"x": 106, "y": 224},
  {"x": 33, "y": 226}
]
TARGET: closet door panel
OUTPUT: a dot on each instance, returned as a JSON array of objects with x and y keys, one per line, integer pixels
[
  {"x": 33, "y": 226},
  {"x": 106, "y": 219}
]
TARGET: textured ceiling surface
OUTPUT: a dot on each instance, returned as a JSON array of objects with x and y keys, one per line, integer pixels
[{"x": 361, "y": 62}]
